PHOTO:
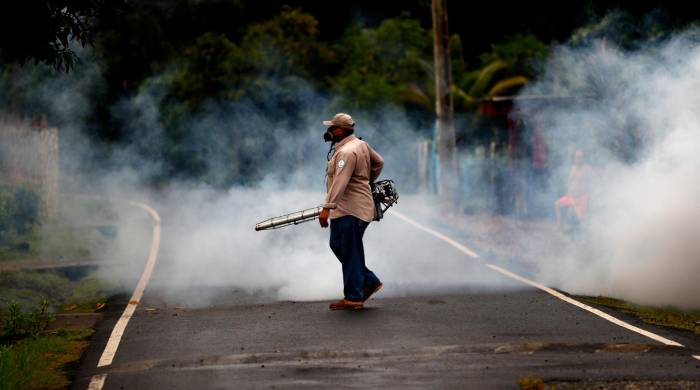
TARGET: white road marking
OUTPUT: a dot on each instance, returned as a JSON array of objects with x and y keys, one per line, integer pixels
[
  {"x": 97, "y": 381},
  {"x": 441, "y": 236},
  {"x": 583, "y": 306},
  {"x": 548, "y": 290},
  {"x": 118, "y": 331}
]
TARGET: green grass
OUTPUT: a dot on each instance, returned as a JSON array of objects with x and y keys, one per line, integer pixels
[
  {"x": 28, "y": 288},
  {"x": 86, "y": 294},
  {"x": 81, "y": 227},
  {"x": 54, "y": 240},
  {"x": 670, "y": 317},
  {"x": 38, "y": 362},
  {"x": 85, "y": 209}
]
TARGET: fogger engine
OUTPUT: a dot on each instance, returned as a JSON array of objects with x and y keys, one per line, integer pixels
[{"x": 384, "y": 194}]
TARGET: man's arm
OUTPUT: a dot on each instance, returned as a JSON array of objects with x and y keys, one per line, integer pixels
[
  {"x": 344, "y": 168},
  {"x": 376, "y": 164}
]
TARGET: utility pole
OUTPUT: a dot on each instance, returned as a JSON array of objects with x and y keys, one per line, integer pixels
[{"x": 446, "y": 142}]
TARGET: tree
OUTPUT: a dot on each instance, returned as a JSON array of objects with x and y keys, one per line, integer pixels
[
  {"x": 506, "y": 68},
  {"x": 218, "y": 80},
  {"x": 503, "y": 71},
  {"x": 42, "y": 31},
  {"x": 214, "y": 68},
  {"x": 388, "y": 63}
]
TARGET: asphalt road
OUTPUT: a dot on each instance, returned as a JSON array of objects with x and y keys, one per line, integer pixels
[{"x": 455, "y": 336}]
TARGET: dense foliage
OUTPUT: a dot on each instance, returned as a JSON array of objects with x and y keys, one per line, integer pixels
[
  {"x": 19, "y": 211},
  {"x": 160, "y": 74}
]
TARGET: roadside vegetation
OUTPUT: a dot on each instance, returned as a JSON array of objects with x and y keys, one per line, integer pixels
[
  {"x": 670, "y": 317},
  {"x": 31, "y": 355},
  {"x": 80, "y": 228},
  {"x": 38, "y": 362},
  {"x": 39, "y": 283}
]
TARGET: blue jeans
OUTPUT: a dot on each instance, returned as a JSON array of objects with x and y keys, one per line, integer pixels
[{"x": 346, "y": 243}]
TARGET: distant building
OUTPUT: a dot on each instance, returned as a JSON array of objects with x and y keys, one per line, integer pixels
[{"x": 29, "y": 157}]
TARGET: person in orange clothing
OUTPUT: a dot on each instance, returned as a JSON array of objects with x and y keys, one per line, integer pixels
[
  {"x": 350, "y": 207},
  {"x": 578, "y": 192}
]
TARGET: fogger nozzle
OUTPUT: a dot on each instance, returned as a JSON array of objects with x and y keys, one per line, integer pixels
[
  {"x": 383, "y": 192},
  {"x": 289, "y": 219}
]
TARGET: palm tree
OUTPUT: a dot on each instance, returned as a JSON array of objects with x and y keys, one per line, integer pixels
[{"x": 504, "y": 70}]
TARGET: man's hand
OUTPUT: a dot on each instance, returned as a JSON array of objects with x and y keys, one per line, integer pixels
[{"x": 323, "y": 218}]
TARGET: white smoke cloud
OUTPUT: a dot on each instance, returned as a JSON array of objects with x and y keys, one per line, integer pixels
[
  {"x": 638, "y": 121},
  {"x": 634, "y": 113},
  {"x": 209, "y": 247}
]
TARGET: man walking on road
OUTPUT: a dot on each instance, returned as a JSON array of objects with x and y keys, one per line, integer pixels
[{"x": 350, "y": 208}]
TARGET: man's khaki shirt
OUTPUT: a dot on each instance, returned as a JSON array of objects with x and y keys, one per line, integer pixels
[{"x": 353, "y": 166}]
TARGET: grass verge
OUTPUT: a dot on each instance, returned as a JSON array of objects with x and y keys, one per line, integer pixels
[
  {"x": 38, "y": 362},
  {"x": 28, "y": 288},
  {"x": 55, "y": 260},
  {"x": 37, "y": 267},
  {"x": 670, "y": 317},
  {"x": 81, "y": 228},
  {"x": 56, "y": 241}
]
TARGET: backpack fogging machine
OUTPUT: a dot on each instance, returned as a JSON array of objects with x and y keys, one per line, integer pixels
[{"x": 383, "y": 192}]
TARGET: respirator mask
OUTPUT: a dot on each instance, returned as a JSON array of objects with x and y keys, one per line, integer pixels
[{"x": 328, "y": 135}]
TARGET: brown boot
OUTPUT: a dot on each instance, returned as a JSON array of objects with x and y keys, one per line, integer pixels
[
  {"x": 369, "y": 291},
  {"x": 344, "y": 304}
]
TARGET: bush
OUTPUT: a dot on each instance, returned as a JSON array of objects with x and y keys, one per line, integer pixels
[
  {"x": 12, "y": 366},
  {"x": 26, "y": 210},
  {"x": 19, "y": 211},
  {"x": 19, "y": 325},
  {"x": 36, "y": 363},
  {"x": 7, "y": 212},
  {"x": 28, "y": 288}
]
